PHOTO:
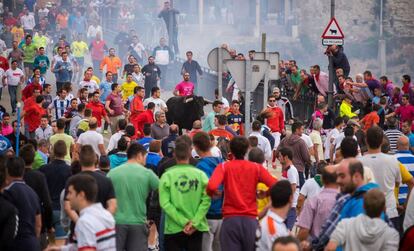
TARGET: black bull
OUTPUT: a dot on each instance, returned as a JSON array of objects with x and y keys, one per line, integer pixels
[{"x": 183, "y": 111}]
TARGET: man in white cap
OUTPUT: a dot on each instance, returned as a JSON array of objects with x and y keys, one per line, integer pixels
[{"x": 284, "y": 104}]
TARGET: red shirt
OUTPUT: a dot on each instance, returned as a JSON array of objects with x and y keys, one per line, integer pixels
[
  {"x": 29, "y": 89},
  {"x": 240, "y": 179},
  {"x": 143, "y": 118},
  {"x": 276, "y": 121},
  {"x": 137, "y": 107},
  {"x": 98, "y": 111},
  {"x": 406, "y": 113},
  {"x": 28, "y": 103},
  {"x": 221, "y": 133},
  {"x": 4, "y": 64},
  {"x": 33, "y": 116}
]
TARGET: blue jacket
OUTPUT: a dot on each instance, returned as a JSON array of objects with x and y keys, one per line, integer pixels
[
  {"x": 117, "y": 159},
  {"x": 145, "y": 142},
  {"x": 152, "y": 161},
  {"x": 355, "y": 205},
  {"x": 207, "y": 165}
]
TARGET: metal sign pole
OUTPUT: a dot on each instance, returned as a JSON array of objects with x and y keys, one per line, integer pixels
[
  {"x": 247, "y": 98},
  {"x": 219, "y": 72},
  {"x": 331, "y": 70},
  {"x": 266, "y": 82}
]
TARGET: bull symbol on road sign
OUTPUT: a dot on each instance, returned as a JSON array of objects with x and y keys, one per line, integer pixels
[{"x": 333, "y": 31}]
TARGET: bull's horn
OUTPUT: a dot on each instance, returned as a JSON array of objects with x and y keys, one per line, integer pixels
[
  {"x": 188, "y": 100},
  {"x": 208, "y": 101}
]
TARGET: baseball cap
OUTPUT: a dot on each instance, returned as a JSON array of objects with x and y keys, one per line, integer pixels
[
  {"x": 353, "y": 122},
  {"x": 276, "y": 89}
]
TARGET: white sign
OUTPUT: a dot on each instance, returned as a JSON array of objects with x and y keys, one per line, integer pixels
[
  {"x": 238, "y": 69},
  {"x": 331, "y": 41},
  {"x": 333, "y": 30},
  {"x": 213, "y": 58}
]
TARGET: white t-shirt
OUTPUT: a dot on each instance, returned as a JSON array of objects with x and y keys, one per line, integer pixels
[
  {"x": 307, "y": 140},
  {"x": 293, "y": 177},
  {"x": 330, "y": 139},
  {"x": 226, "y": 104},
  {"x": 386, "y": 173},
  {"x": 215, "y": 152},
  {"x": 113, "y": 141},
  {"x": 266, "y": 239},
  {"x": 91, "y": 138},
  {"x": 310, "y": 188},
  {"x": 159, "y": 103},
  {"x": 2, "y": 73},
  {"x": 91, "y": 85},
  {"x": 14, "y": 76}
]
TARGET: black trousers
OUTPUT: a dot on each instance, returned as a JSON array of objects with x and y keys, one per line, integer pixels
[{"x": 180, "y": 241}]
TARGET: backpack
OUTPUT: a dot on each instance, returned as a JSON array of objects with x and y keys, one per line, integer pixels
[
  {"x": 82, "y": 127},
  {"x": 223, "y": 144}
]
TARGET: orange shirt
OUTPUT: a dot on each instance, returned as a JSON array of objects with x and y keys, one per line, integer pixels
[
  {"x": 369, "y": 120},
  {"x": 221, "y": 133},
  {"x": 112, "y": 64},
  {"x": 62, "y": 20}
]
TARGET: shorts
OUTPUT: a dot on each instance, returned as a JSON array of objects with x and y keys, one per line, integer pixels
[
  {"x": 276, "y": 136},
  {"x": 28, "y": 65}
]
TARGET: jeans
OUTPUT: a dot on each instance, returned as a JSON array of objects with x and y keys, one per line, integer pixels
[
  {"x": 13, "y": 97},
  {"x": 60, "y": 232},
  {"x": 291, "y": 218},
  {"x": 131, "y": 237},
  {"x": 301, "y": 179},
  {"x": 211, "y": 239},
  {"x": 96, "y": 65}
]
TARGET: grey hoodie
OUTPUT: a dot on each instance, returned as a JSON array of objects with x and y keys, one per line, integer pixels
[
  {"x": 364, "y": 233},
  {"x": 301, "y": 155}
]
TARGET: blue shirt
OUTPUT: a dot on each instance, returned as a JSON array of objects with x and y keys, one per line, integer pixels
[
  {"x": 105, "y": 89},
  {"x": 145, "y": 142},
  {"x": 63, "y": 71},
  {"x": 407, "y": 159},
  {"x": 4, "y": 144},
  {"x": 411, "y": 139},
  {"x": 152, "y": 161},
  {"x": 207, "y": 165}
]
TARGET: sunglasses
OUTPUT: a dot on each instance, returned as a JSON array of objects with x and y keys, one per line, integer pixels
[{"x": 272, "y": 100}]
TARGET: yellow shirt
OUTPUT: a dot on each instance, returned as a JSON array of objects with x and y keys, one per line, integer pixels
[
  {"x": 79, "y": 49},
  {"x": 128, "y": 89},
  {"x": 346, "y": 110},
  {"x": 405, "y": 178},
  {"x": 97, "y": 80},
  {"x": 18, "y": 34},
  {"x": 68, "y": 141}
]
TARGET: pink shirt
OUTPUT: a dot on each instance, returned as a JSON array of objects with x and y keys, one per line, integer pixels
[
  {"x": 6, "y": 130},
  {"x": 185, "y": 88},
  {"x": 316, "y": 211}
]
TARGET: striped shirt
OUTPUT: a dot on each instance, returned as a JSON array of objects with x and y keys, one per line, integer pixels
[
  {"x": 393, "y": 135},
  {"x": 95, "y": 229},
  {"x": 407, "y": 159},
  {"x": 59, "y": 106}
]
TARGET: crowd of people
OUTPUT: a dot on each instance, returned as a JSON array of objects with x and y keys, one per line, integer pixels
[{"x": 342, "y": 180}]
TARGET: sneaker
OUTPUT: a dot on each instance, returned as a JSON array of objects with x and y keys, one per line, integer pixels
[{"x": 105, "y": 131}]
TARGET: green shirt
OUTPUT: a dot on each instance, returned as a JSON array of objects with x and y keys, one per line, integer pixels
[
  {"x": 42, "y": 62},
  {"x": 38, "y": 161},
  {"x": 183, "y": 198},
  {"x": 29, "y": 52},
  {"x": 208, "y": 123},
  {"x": 132, "y": 183}
]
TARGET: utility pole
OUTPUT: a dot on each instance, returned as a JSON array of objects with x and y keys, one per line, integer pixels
[
  {"x": 381, "y": 42},
  {"x": 330, "y": 67}
]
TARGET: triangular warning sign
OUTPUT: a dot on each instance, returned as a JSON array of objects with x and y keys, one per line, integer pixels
[{"x": 333, "y": 30}]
